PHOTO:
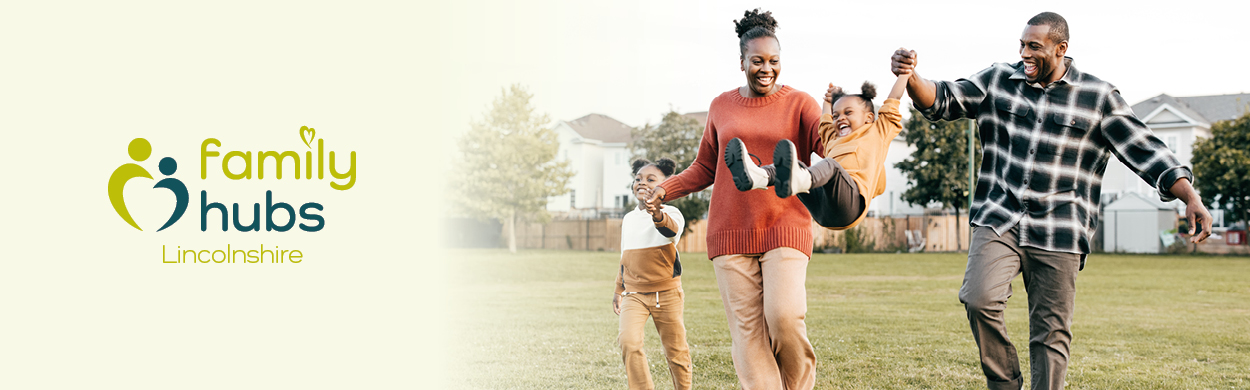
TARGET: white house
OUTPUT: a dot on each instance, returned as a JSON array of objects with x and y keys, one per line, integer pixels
[
  {"x": 891, "y": 201},
  {"x": 1135, "y": 222},
  {"x": 1178, "y": 122},
  {"x": 597, "y": 148}
]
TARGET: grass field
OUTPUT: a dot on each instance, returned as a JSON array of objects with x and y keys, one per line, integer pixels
[{"x": 543, "y": 320}]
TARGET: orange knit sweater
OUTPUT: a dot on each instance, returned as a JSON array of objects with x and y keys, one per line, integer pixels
[{"x": 752, "y": 221}]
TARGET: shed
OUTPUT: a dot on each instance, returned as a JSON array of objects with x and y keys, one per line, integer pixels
[{"x": 1134, "y": 223}]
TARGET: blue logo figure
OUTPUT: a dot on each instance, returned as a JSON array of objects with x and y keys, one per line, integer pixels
[{"x": 168, "y": 166}]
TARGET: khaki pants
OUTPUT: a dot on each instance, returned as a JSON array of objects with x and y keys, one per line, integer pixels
[
  {"x": 1049, "y": 278},
  {"x": 766, "y": 302},
  {"x": 635, "y": 308}
]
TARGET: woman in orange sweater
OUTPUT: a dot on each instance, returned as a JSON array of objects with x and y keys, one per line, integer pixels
[{"x": 759, "y": 244}]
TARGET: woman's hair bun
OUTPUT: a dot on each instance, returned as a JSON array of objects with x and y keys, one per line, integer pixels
[
  {"x": 666, "y": 166},
  {"x": 868, "y": 91},
  {"x": 755, "y": 18}
]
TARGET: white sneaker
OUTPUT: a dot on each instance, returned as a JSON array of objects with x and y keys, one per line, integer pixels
[
  {"x": 747, "y": 176},
  {"x": 791, "y": 178}
]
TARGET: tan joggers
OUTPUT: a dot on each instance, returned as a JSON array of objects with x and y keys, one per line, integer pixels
[
  {"x": 766, "y": 303},
  {"x": 665, "y": 308}
]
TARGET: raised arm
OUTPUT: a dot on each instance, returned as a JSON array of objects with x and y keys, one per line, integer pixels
[
  {"x": 699, "y": 175},
  {"x": 900, "y": 85},
  {"x": 923, "y": 92}
]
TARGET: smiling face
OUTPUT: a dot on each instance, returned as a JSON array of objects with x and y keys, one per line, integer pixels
[
  {"x": 647, "y": 178},
  {"x": 849, "y": 113},
  {"x": 1042, "y": 56},
  {"x": 762, "y": 64}
]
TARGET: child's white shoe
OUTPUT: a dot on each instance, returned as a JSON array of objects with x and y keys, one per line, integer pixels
[
  {"x": 791, "y": 178},
  {"x": 747, "y": 176}
]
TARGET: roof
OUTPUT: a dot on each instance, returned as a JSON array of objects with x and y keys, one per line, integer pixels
[
  {"x": 1135, "y": 201},
  {"x": 1208, "y": 109},
  {"x": 700, "y": 116},
  {"x": 600, "y": 127}
]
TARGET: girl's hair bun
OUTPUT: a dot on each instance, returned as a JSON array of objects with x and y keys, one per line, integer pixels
[
  {"x": 868, "y": 91},
  {"x": 667, "y": 166},
  {"x": 639, "y": 163}
]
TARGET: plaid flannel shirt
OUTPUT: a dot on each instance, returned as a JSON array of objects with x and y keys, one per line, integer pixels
[{"x": 1045, "y": 150}]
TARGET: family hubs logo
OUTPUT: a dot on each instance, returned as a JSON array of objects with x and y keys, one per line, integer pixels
[{"x": 140, "y": 150}]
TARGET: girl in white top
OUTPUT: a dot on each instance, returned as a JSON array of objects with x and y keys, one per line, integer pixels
[{"x": 648, "y": 281}]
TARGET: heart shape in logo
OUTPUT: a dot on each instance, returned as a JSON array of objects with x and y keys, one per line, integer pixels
[{"x": 307, "y": 133}]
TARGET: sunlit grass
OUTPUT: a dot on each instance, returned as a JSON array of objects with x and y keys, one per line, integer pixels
[{"x": 543, "y": 319}]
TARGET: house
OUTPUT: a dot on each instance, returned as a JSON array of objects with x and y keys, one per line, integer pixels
[
  {"x": 1136, "y": 223},
  {"x": 1178, "y": 122},
  {"x": 597, "y": 148},
  {"x": 891, "y": 201}
]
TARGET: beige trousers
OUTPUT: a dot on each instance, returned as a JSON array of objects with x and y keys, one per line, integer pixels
[
  {"x": 765, "y": 303},
  {"x": 665, "y": 309}
]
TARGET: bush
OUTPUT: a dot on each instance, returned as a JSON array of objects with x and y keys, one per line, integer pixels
[{"x": 857, "y": 240}]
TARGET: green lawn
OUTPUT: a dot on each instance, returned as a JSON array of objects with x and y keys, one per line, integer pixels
[{"x": 543, "y": 319}]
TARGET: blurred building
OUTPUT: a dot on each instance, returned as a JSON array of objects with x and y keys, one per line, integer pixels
[
  {"x": 597, "y": 149},
  {"x": 1178, "y": 122}
]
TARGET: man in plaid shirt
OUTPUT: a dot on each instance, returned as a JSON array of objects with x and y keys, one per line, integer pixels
[{"x": 1047, "y": 131}]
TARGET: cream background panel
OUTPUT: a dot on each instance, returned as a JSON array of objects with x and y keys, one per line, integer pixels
[{"x": 86, "y": 301}]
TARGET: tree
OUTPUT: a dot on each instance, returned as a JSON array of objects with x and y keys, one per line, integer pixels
[
  {"x": 507, "y": 167},
  {"x": 676, "y": 137},
  {"x": 937, "y": 172},
  {"x": 1222, "y": 167}
]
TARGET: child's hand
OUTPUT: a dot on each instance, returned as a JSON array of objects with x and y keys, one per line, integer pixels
[
  {"x": 654, "y": 210},
  {"x": 827, "y": 106},
  {"x": 642, "y": 194},
  {"x": 616, "y": 303}
]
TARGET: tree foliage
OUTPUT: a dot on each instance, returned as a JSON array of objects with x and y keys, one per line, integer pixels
[
  {"x": 937, "y": 172},
  {"x": 507, "y": 166},
  {"x": 676, "y": 137},
  {"x": 1222, "y": 167}
]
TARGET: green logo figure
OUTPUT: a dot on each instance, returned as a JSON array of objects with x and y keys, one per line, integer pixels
[{"x": 140, "y": 150}]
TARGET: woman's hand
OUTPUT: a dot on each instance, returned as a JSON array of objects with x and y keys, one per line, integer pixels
[
  {"x": 657, "y": 196},
  {"x": 833, "y": 90}
]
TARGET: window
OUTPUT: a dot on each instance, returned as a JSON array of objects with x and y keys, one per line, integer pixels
[
  {"x": 572, "y": 199},
  {"x": 1172, "y": 143}
]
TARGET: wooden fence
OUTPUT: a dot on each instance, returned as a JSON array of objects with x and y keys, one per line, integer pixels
[{"x": 933, "y": 233}]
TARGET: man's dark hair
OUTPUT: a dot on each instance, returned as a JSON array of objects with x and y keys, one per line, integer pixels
[{"x": 1058, "y": 25}]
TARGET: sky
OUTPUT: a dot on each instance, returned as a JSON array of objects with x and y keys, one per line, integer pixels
[{"x": 633, "y": 61}]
